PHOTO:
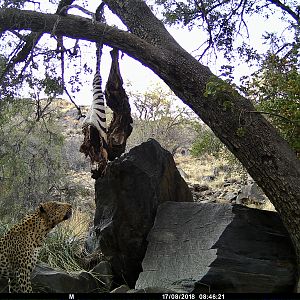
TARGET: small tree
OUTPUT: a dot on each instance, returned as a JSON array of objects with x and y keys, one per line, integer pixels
[
  {"x": 206, "y": 142},
  {"x": 30, "y": 155},
  {"x": 275, "y": 89},
  {"x": 157, "y": 116}
]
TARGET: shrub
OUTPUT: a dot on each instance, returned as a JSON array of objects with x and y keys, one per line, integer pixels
[
  {"x": 206, "y": 143},
  {"x": 30, "y": 156}
]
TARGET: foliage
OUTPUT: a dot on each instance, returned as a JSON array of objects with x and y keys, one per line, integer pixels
[
  {"x": 275, "y": 89},
  {"x": 157, "y": 116},
  {"x": 207, "y": 145},
  {"x": 226, "y": 22},
  {"x": 30, "y": 154},
  {"x": 38, "y": 61},
  {"x": 13, "y": 3},
  {"x": 8, "y": 84},
  {"x": 206, "y": 142},
  {"x": 217, "y": 87}
]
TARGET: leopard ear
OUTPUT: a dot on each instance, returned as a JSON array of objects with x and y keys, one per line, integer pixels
[{"x": 42, "y": 210}]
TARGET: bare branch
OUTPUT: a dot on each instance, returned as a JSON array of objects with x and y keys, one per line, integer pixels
[
  {"x": 64, "y": 10},
  {"x": 276, "y": 115},
  {"x": 287, "y": 9},
  {"x": 31, "y": 41},
  {"x": 80, "y": 115}
]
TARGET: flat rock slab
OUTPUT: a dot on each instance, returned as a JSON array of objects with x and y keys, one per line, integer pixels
[
  {"x": 198, "y": 247},
  {"x": 49, "y": 280}
]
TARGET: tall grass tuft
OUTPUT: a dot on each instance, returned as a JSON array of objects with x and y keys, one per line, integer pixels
[{"x": 63, "y": 246}]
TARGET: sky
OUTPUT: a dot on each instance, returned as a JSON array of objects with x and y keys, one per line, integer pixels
[{"x": 142, "y": 78}]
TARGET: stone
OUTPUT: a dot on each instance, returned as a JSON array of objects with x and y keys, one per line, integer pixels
[
  {"x": 4, "y": 285},
  {"x": 230, "y": 196},
  {"x": 200, "y": 188},
  {"x": 127, "y": 198},
  {"x": 218, "y": 248},
  {"x": 104, "y": 273},
  {"x": 91, "y": 241},
  {"x": 208, "y": 178},
  {"x": 208, "y": 193},
  {"x": 216, "y": 171},
  {"x": 49, "y": 280},
  {"x": 151, "y": 290},
  {"x": 251, "y": 192},
  {"x": 121, "y": 289},
  {"x": 229, "y": 181},
  {"x": 208, "y": 200}
]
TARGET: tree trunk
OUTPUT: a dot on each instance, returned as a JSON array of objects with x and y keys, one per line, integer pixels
[{"x": 247, "y": 134}]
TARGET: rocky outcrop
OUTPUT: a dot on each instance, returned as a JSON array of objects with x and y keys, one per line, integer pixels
[
  {"x": 127, "y": 198},
  {"x": 198, "y": 247},
  {"x": 231, "y": 190}
]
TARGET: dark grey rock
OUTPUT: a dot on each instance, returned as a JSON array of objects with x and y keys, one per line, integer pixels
[
  {"x": 208, "y": 193},
  {"x": 91, "y": 241},
  {"x": 229, "y": 181},
  {"x": 217, "y": 194},
  {"x": 230, "y": 196},
  {"x": 208, "y": 200},
  {"x": 196, "y": 247},
  {"x": 153, "y": 289},
  {"x": 121, "y": 289},
  {"x": 251, "y": 192},
  {"x": 103, "y": 272},
  {"x": 46, "y": 279},
  {"x": 4, "y": 285},
  {"x": 200, "y": 188},
  {"x": 127, "y": 198},
  {"x": 216, "y": 171},
  {"x": 208, "y": 178}
]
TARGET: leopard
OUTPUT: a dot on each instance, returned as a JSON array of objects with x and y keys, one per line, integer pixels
[{"x": 20, "y": 246}]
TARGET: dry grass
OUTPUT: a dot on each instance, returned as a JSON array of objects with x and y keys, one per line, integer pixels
[
  {"x": 64, "y": 245},
  {"x": 78, "y": 224},
  {"x": 197, "y": 168}
]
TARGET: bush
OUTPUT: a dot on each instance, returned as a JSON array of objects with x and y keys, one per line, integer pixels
[
  {"x": 206, "y": 143},
  {"x": 30, "y": 156},
  {"x": 275, "y": 90},
  {"x": 156, "y": 115}
]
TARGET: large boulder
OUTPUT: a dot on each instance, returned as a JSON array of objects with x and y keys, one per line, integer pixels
[
  {"x": 127, "y": 198},
  {"x": 197, "y": 247}
]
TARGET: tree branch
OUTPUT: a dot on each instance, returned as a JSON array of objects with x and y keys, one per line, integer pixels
[
  {"x": 287, "y": 9},
  {"x": 77, "y": 27},
  {"x": 153, "y": 29},
  {"x": 31, "y": 41}
]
